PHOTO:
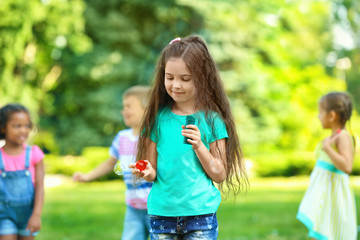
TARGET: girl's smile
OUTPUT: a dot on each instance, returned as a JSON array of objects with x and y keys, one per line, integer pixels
[
  {"x": 18, "y": 128},
  {"x": 179, "y": 83}
]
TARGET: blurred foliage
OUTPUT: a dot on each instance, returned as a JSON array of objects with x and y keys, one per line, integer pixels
[
  {"x": 126, "y": 37},
  {"x": 289, "y": 164},
  {"x": 344, "y": 60},
  {"x": 70, "y": 61},
  {"x": 272, "y": 59},
  {"x": 31, "y": 40},
  {"x": 283, "y": 164},
  {"x": 68, "y": 164}
]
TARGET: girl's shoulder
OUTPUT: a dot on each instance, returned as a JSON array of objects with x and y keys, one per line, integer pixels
[
  {"x": 125, "y": 132},
  {"x": 36, "y": 153},
  {"x": 211, "y": 116},
  {"x": 164, "y": 114},
  {"x": 345, "y": 138}
]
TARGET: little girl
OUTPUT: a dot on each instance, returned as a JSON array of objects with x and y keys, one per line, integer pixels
[
  {"x": 183, "y": 200},
  {"x": 328, "y": 207},
  {"x": 22, "y": 176}
]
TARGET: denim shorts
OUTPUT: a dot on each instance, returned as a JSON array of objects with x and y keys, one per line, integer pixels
[
  {"x": 201, "y": 227},
  {"x": 8, "y": 227}
]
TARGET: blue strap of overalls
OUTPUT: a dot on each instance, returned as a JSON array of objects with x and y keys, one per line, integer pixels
[
  {"x": 27, "y": 159},
  {"x": 2, "y": 167}
]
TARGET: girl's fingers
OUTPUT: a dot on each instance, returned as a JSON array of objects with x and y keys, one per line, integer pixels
[
  {"x": 336, "y": 136},
  {"x": 190, "y": 127},
  {"x": 192, "y": 136},
  {"x": 194, "y": 127},
  {"x": 188, "y": 131},
  {"x": 135, "y": 171}
]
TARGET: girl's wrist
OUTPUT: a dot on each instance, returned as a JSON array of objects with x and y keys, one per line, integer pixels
[
  {"x": 36, "y": 214},
  {"x": 196, "y": 147},
  {"x": 151, "y": 177}
]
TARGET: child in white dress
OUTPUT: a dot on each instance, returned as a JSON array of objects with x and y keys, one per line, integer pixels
[{"x": 328, "y": 207}]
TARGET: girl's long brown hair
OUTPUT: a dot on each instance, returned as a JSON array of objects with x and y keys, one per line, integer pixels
[{"x": 193, "y": 51}]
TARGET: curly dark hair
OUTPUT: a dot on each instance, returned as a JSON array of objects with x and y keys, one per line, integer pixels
[{"x": 5, "y": 114}]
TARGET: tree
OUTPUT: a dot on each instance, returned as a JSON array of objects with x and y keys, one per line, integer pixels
[
  {"x": 272, "y": 59},
  {"x": 31, "y": 44},
  {"x": 344, "y": 57},
  {"x": 127, "y": 37}
]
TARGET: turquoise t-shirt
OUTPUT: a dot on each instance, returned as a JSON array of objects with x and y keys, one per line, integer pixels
[{"x": 182, "y": 188}]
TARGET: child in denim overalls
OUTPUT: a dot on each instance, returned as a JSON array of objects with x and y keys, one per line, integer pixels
[
  {"x": 185, "y": 161},
  {"x": 21, "y": 178}
]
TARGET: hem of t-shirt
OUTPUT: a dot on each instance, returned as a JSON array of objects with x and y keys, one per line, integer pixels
[
  {"x": 181, "y": 213},
  {"x": 129, "y": 205}
]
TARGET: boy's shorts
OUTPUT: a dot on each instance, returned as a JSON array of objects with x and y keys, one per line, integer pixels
[{"x": 9, "y": 227}]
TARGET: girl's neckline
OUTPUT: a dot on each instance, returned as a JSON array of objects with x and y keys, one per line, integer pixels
[
  {"x": 179, "y": 115},
  {"x": 14, "y": 155},
  {"x": 132, "y": 136}
]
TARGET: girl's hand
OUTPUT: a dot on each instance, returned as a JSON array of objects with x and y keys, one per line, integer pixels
[
  {"x": 329, "y": 141},
  {"x": 145, "y": 174},
  {"x": 193, "y": 132},
  {"x": 34, "y": 223},
  {"x": 79, "y": 177}
]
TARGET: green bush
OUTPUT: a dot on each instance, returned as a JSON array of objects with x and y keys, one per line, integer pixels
[
  {"x": 289, "y": 164},
  {"x": 356, "y": 167},
  {"x": 68, "y": 165},
  {"x": 282, "y": 164}
]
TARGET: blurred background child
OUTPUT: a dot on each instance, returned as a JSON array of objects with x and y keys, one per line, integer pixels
[
  {"x": 123, "y": 149},
  {"x": 22, "y": 176},
  {"x": 328, "y": 207}
]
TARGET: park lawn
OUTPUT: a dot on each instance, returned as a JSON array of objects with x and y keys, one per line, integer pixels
[{"x": 95, "y": 211}]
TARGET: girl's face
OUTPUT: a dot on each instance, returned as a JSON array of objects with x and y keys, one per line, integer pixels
[
  {"x": 133, "y": 111},
  {"x": 17, "y": 128},
  {"x": 179, "y": 82},
  {"x": 324, "y": 117}
]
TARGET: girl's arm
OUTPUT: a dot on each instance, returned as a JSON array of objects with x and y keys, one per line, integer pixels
[
  {"x": 149, "y": 174},
  {"x": 101, "y": 170},
  {"x": 213, "y": 161},
  {"x": 34, "y": 223},
  {"x": 343, "y": 159}
]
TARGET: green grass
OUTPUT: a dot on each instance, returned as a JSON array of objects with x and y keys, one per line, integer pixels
[{"x": 95, "y": 211}]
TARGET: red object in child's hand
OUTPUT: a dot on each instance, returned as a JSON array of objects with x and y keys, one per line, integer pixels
[
  {"x": 338, "y": 131},
  {"x": 141, "y": 165}
]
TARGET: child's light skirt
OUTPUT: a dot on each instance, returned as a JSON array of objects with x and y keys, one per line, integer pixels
[{"x": 328, "y": 207}]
